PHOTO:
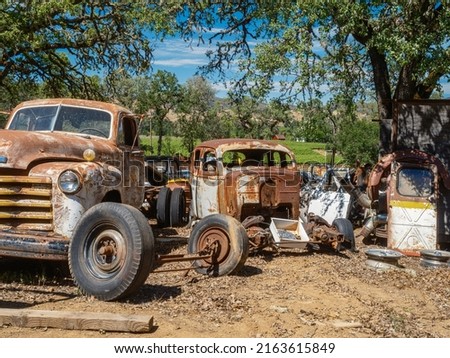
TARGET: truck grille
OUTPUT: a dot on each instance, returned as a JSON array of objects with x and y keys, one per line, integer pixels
[{"x": 26, "y": 203}]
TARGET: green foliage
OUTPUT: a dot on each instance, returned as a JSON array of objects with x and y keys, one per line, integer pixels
[
  {"x": 162, "y": 96},
  {"x": 250, "y": 118},
  {"x": 342, "y": 48},
  {"x": 358, "y": 140},
  {"x": 315, "y": 125},
  {"x": 304, "y": 152},
  {"x": 243, "y": 114},
  {"x": 171, "y": 145},
  {"x": 310, "y": 152},
  {"x": 130, "y": 92},
  {"x": 12, "y": 93},
  {"x": 199, "y": 119},
  {"x": 64, "y": 42},
  {"x": 276, "y": 116},
  {"x": 154, "y": 97}
]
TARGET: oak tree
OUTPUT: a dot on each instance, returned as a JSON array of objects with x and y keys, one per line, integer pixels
[
  {"x": 67, "y": 43},
  {"x": 393, "y": 50}
]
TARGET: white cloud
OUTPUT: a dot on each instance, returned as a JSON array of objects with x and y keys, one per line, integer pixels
[
  {"x": 214, "y": 30},
  {"x": 180, "y": 62},
  {"x": 176, "y": 53},
  {"x": 177, "y": 46}
]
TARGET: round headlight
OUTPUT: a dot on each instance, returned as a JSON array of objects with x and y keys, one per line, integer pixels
[{"x": 69, "y": 182}]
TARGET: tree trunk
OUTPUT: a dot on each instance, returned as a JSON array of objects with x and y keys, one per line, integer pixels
[
  {"x": 406, "y": 87},
  {"x": 425, "y": 89},
  {"x": 160, "y": 130},
  {"x": 160, "y": 134},
  {"x": 384, "y": 99},
  {"x": 160, "y": 117}
]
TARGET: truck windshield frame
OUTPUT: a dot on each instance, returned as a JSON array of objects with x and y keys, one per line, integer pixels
[
  {"x": 415, "y": 182},
  {"x": 63, "y": 118}
]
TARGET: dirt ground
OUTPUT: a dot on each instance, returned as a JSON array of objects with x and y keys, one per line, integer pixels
[{"x": 292, "y": 293}]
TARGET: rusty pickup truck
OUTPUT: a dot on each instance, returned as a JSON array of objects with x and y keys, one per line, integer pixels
[
  {"x": 249, "y": 190},
  {"x": 72, "y": 184}
]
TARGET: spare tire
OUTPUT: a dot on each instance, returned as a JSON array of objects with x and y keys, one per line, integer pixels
[
  {"x": 178, "y": 208},
  {"x": 163, "y": 207}
]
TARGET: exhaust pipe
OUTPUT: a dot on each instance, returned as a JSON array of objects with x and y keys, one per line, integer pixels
[
  {"x": 362, "y": 198},
  {"x": 372, "y": 223}
]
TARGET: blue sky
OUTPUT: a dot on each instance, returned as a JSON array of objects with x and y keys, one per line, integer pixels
[{"x": 177, "y": 56}]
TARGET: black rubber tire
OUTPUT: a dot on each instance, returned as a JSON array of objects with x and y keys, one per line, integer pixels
[
  {"x": 345, "y": 227},
  {"x": 122, "y": 271},
  {"x": 163, "y": 207},
  {"x": 232, "y": 242},
  {"x": 177, "y": 208}
]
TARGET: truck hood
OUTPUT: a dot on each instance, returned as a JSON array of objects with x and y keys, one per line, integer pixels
[{"x": 20, "y": 148}]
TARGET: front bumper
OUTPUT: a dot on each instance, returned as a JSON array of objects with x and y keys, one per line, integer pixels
[{"x": 37, "y": 246}]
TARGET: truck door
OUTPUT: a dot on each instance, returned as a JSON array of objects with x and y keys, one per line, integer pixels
[
  {"x": 205, "y": 184},
  {"x": 412, "y": 216},
  {"x": 132, "y": 162}
]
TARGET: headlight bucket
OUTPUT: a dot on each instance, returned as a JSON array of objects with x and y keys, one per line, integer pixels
[{"x": 69, "y": 182}]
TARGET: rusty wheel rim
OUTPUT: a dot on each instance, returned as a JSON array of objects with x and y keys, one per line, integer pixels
[
  {"x": 106, "y": 253},
  {"x": 215, "y": 242}
]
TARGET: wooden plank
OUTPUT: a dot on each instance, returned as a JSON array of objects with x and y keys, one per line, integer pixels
[{"x": 76, "y": 320}]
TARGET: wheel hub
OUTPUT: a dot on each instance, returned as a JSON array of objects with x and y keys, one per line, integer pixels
[
  {"x": 109, "y": 251},
  {"x": 215, "y": 242}
]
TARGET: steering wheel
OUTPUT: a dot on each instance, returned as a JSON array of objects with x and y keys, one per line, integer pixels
[{"x": 95, "y": 130}]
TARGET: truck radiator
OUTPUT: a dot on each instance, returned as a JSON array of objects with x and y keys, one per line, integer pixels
[{"x": 26, "y": 203}]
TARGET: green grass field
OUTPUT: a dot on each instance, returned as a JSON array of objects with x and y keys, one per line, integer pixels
[
  {"x": 304, "y": 152},
  {"x": 310, "y": 152}
]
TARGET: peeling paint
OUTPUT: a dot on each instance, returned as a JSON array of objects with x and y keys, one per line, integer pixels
[
  {"x": 262, "y": 180},
  {"x": 37, "y": 219},
  {"x": 409, "y": 179}
]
